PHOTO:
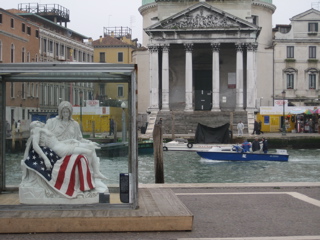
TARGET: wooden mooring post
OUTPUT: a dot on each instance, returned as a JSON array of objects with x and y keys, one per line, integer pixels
[{"x": 158, "y": 153}]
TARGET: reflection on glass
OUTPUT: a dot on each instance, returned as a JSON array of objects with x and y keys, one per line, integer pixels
[{"x": 100, "y": 109}]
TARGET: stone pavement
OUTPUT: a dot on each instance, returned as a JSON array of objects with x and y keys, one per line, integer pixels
[{"x": 264, "y": 211}]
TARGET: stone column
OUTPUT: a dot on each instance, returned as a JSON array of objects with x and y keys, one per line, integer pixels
[
  {"x": 154, "y": 78},
  {"x": 215, "y": 77},
  {"x": 2, "y": 132},
  {"x": 251, "y": 76},
  {"x": 239, "y": 77},
  {"x": 188, "y": 82},
  {"x": 165, "y": 77}
]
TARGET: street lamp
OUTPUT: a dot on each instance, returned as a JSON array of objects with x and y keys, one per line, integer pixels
[
  {"x": 81, "y": 95},
  {"x": 283, "y": 121},
  {"x": 123, "y": 106}
]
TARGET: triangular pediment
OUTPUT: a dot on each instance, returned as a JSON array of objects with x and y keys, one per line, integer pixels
[
  {"x": 311, "y": 14},
  {"x": 202, "y": 16}
]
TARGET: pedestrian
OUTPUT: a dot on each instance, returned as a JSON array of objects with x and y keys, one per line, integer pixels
[
  {"x": 111, "y": 127},
  {"x": 255, "y": 128},
  {"x": 240, "y": 127},
  {"x": 255, "y": 145},
  {"x": 310, "y": 126},
  {"x": 264, "y": 145},
  {"x": 18, "y": 126},
  {"x": 260, "y": 127}
]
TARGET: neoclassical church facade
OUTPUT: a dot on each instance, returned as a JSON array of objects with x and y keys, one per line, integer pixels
[{"x": 206, "y": 55}]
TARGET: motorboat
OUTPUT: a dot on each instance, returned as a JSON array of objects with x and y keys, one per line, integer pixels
[{"x": 235, "y": 153}]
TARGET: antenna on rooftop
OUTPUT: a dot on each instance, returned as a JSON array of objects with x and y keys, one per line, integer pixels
[{"x": 316, "y": 5}]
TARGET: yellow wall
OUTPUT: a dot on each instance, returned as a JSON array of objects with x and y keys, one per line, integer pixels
[
  {"x": 274, "y": 123},
  {"x": 101, "y": 122}
]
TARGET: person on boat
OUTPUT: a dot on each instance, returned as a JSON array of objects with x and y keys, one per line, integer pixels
[
  {"x": 246, "y": 146},
  {"x": 255, "y": 145},
  {"x": 264, "y": 145}
]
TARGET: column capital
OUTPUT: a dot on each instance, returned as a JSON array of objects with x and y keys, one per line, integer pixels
[
  {"x": 188, "y": 47},
  {"x": 239, "y": 47},
  {"x": 153, "y": 48},
  {"x": 252, "y": 46},
  {"x": 165, "y": 47},
  {"x": 215, "y": 47}
]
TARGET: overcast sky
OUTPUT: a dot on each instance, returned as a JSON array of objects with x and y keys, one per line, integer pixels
[{"x": 89, "y": 17}]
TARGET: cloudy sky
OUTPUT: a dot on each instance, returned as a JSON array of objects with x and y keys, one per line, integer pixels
[{"x": 89, "y": 17}]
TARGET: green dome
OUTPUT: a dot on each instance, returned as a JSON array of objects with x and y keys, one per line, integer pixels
[
  {"x": 151, "y": 1},
  {"x": 147, "y": 1}
]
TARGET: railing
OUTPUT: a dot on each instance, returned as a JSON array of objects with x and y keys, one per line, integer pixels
[{"x": 144, "y": 2}]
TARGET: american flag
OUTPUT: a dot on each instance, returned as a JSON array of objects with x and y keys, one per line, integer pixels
[{"x": 68, "y": 174}]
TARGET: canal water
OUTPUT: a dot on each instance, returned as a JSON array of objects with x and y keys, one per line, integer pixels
[{"x": 188, "y": 167}]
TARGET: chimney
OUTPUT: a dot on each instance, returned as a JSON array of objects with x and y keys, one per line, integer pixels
[{"x": 100, "y": 39}]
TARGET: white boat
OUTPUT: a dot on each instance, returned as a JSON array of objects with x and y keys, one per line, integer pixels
[{"x": 180, "y": 144}]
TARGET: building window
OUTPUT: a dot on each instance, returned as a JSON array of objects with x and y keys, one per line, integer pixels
[
  {"x": 0, "y": 18},
  {"x": 28, "y": 56},
  {"x": 290, "y": 81},
  {"x": 23, "y": 27},
  {"x": 312, "y": 81},
  {"x": 12, "y": 90},
  {"x": 255, "y": 20},
  {"x": 37, "y": 33},
  {"x": 12, "y": 23},
  {"x": 313, "y": 27},
  {"x": 29, "y": 30},
  {"x": 23, "y": 55},
  {"x": 50, "y": 46},
  {"x": 312, "y": 52},
  {"x": 120, "y": 56},
  {"x": 62, "y": 50},
  {"x": 12, "y": 53},
  {"x": 120, "y": 90},
  {"x": 290, "y": 52},
  {"x": 0, "y": 50},
  {"x": 102, "y": 58}
]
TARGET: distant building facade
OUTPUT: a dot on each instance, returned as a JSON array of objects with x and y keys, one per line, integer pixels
[
  {"x": 33, "y": 34},
  {"x": 296, "y": 59},
  {"x": 116, "y": 46}
]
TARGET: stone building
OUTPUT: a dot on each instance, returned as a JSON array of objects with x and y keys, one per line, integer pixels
[
  {"x": 206, "y": 55},
  {"x": 296, "y": 59}
]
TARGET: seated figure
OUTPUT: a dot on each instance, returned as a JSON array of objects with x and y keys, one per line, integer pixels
[{"x": 60, "y": 171}]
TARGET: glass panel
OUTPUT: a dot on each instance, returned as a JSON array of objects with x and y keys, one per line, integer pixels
[{"x": 100, "y": 117}]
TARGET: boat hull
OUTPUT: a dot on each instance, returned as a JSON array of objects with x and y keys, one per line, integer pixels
[{"x": 234, "y": 156}]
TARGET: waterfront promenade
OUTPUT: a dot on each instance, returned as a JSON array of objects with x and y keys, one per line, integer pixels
[{"x": 238, "y": 211}]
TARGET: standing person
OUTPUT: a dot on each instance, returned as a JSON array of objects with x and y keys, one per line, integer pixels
[
  {"x": 240, "y": 127},
  {"x": 18, "y": 126},
  {"x": 255, "y": 128},
  {"x": 111, "y": 126},
  {"x": 318, "y": 124},
  {"x": 255, "y": 145},
  {"x": 264, "y": 145},
  {"x": 260, "y": 127},
  {"x": 310, "y": 126}
]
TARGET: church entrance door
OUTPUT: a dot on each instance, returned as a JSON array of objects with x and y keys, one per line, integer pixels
[{"x": 203, "y": 90}]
